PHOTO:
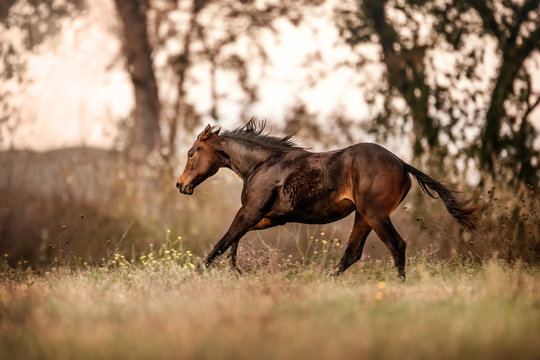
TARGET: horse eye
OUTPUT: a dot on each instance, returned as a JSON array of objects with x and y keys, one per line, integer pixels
[{"x": 190, "y": 154}]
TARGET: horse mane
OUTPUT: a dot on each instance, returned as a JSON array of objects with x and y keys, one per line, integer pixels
[{"x": 254, "y": 130}]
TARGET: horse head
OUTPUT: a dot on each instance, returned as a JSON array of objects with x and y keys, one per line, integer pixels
[{"x": 203, "y": 161}]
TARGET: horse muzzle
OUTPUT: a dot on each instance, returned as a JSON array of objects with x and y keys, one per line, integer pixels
[{"x": 185, "y": 189}]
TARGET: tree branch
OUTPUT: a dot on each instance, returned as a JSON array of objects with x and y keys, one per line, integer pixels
[{"x": 488, "y": 19}]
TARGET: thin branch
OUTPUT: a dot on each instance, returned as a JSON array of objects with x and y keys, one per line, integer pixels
[
  {"x": 489, "y": 23},
  {"x": 531, "y": 107}
]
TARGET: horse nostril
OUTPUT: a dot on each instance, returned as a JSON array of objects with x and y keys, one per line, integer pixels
[{"x": 178, "y": 186}]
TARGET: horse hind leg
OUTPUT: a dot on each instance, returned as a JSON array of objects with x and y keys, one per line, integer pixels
[
  {"x": 386, "y": 231},
  {"x": 357, "y": 240}
]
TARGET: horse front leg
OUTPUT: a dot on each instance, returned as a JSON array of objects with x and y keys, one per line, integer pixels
[
  {"x": 244, "y": 220},
  {"x": 232, "y": 256},
  {"x": 264, "y": 223}
]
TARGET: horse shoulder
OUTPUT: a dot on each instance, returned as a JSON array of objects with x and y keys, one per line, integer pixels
[{"x": 262, "y": 184}]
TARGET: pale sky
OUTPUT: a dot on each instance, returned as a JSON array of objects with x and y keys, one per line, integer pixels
[
  {"x": 76, "y": 96},
  {"x": 80, "y": 88}
]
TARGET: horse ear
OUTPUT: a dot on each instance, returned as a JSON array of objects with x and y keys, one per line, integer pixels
[
  {"x": 206, "y": 133},
  {"x": 216, "y": 131}
]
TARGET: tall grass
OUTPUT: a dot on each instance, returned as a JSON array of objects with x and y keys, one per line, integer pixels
[{"x": 82, "y": 205}]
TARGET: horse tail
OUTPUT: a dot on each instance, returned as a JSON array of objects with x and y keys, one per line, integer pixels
[{"x": 464, "y": 215}]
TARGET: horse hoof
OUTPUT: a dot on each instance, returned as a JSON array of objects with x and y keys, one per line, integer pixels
[
  {"x": 334, "y": 273},
  {"x": 199, "y": 269},
  {"x": 236, "y": 270}
]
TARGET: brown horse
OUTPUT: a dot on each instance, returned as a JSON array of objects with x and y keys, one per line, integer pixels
[{"x": 285, "y": 183}]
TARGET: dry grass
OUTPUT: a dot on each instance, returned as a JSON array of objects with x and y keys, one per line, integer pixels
[{"x": 161, "y": 309}]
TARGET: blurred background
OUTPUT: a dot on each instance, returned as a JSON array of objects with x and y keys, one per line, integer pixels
[{"x": 99, "y": 101}]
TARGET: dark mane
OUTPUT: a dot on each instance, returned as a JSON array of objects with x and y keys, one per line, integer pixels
[{"x": 254, "y": 130}]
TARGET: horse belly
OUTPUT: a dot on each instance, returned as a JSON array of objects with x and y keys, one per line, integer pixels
[
  {"x": 322, "y": 212},
  {"x": 307, "y": 196}
]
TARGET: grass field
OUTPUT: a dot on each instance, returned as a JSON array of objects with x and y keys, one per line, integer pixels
[{"x": 158, "y": 308}]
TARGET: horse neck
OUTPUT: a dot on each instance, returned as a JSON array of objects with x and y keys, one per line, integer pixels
[{"x": 244, "y": 155}]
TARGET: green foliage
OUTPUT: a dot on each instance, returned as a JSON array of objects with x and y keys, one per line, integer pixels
[{"x": 446, "y": 104}]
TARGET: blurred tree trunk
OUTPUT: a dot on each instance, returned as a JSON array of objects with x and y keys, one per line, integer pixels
[
  {"x": 405, "y": 73},
  {"x": 506, "y": 32},
  {"x": 493, "y": 142},
  {"x": 144, "y": 134},
  {"x": 507, "y": 135}
]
